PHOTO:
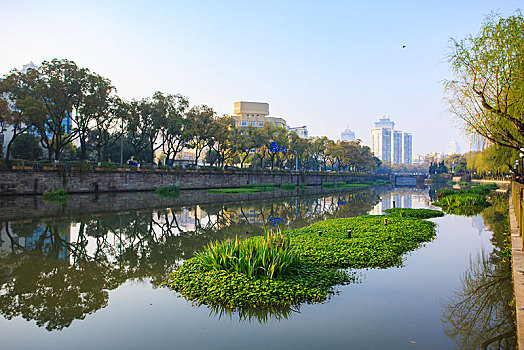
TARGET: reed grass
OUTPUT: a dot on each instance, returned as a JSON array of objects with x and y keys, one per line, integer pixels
[{"x": 269, "y": 255}]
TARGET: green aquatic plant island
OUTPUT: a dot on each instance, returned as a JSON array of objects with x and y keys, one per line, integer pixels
[
  {"x": 414, "y": 213},
  {"x": 283, "y": 269}
]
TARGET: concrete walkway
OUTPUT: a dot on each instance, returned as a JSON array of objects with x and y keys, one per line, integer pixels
[{"x": 517, "y": 262}]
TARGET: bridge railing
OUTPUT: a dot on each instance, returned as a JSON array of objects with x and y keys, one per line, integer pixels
[{"x": 517, "y": 199}]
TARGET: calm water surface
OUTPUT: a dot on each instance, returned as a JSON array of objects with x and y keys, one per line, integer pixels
[{"x": 87, "y": 274}]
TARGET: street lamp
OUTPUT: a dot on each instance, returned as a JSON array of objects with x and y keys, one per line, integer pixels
[{"x": 517, "y": 173}]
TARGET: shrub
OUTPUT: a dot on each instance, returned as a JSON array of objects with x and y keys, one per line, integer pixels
[
  {"x": 288, "y": 187},
  {"x": 168, "y": 191}
]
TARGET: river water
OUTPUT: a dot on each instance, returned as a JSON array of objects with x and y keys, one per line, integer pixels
[{"x": 86, "y": 273}]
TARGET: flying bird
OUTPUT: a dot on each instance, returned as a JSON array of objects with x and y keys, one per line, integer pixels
[{"x": 403, "y": 46}]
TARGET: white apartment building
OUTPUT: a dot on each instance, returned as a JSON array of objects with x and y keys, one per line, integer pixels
[
  {"x": 381, "y": 143},
  {"x": 391, "y": 145}
]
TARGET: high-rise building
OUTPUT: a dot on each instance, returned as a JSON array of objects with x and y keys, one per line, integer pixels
[
  {"x": 381, "y": 143},
  {"x": 385, "y": 123},
  {"x": 347, "y": 135},
  {"x": 396, "y": 147},
  {"x": 390, "y": 145},
  {"x": 407, "y": 148},
  {"x": 452, "y": 147}
]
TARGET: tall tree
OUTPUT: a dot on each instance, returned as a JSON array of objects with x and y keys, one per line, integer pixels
[
  {"x": 200, "y": 129},
  {"x": 58, "y": 87},
  {"x": 172, "y": 134},
  {"x": 487, "y": 94},
  {"x": 20, "y": 109},
  {"x": 95, "y": 112}
]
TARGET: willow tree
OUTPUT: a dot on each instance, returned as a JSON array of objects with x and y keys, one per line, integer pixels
[{"x": 487, "y": 93}]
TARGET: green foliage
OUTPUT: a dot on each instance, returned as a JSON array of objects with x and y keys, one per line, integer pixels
[
  {"x": 251, "y": 188},
  {"x": 288, "y": 187},
  {"x": 168, "y": 191},
  {"x": 372, "y": 243},
  {"x": 234, "y": 289},
  {"x": 269, "y": 255},
  {"x": 232, "y": 273},
  {"x": 83, "y": 167},
  {"x": 464, "y": 184},
  {"x": 487, "y": 92},
  {"x": 59, "y": 195},
  {"x": 451, "y": 182},
  {"x": 414, "y": 213},
  {"x": 26, "y": 146},
  {"x": 462, "y": 200}
]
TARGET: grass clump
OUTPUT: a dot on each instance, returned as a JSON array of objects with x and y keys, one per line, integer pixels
[
  {"x": 269, "y": 256},
  {"x": 285, "y": 269},
  {"x": 59, "y": 195},
  {"x": 462, "y": 200},
  {"x": 451, "y": 183},
  {"x": 345, "y": 185},
  {"x": 251, "y": 188},
  {"x": 168, "y": 191},
  {"x": 468, "y": 201},
  {"x": 288, "y": 187},
  {"x": 414, "y": 213}
]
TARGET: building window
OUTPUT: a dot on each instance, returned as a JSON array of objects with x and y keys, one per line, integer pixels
[
  {"x": 253, "y": 123},
  {"x": 260, "y": 123},
  {"x": 276, "y": 123},
  {"x": 243, "y": 123}
]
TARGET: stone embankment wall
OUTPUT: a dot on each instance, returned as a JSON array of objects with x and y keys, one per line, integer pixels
[
  {"x": 22, "y": 208},
  {"x": 36, "y": 182}
]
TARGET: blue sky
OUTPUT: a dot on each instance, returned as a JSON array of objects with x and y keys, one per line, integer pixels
[{"x": 327, "y": 65}]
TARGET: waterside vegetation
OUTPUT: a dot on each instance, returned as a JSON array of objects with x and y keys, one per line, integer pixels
[
  {"x": 168, "y": 191},
  {"x": 284, "y": 269}
]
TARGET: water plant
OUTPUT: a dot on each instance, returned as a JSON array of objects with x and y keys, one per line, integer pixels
[
  {"x": 251, "y": 188},
  {"x": 288, "y": 187},
  {"x": 168, "y": 191},
  {"x": 414, "y": 213},
  {"x": 56, "y": 195},
  {"x": 302, "y": 265},
  {"x": 372, "y": 243},
  {"x": 269, "y": 255}
]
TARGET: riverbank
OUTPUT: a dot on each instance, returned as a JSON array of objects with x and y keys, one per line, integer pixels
[
  {"x": 36, "y": 182},
  {"x": 517, "y": 265}
]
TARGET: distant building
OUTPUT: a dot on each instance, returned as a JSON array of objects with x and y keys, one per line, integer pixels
[
  {"x": 452, "y": 147},
  {"x": 407, "y": 148},
  {"x": 347, "y": 135},
  {"x": 385, "y": 123},
  {"x": 301, "y": 131},
  {"x": 255, "y": 114},
  {"x": 391, "y": 145}
]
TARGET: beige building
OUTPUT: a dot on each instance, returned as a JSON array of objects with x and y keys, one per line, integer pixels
[{"x": 254, "y": 114}]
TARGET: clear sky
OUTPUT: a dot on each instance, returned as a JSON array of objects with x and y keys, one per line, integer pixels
[{"x": 325, "y": 64}]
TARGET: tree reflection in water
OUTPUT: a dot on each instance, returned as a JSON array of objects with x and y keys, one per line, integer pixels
[
  {"x": 57, "y": 270},
  {"x": 481, "y": 315}
]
